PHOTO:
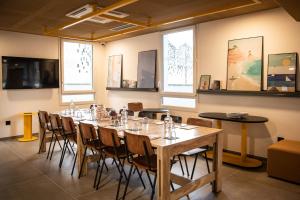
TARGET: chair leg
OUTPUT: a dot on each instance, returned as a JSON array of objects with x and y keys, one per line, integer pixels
[
  {"x": 56, "y": 138},
  {"x": 74, "y": 164},
  {"x": 153, "y": 188},
  {"x": 42, "y": 141},
  {"x": 140, "y": 175},
  {"x": 100, "y": 174},
  {"x": 97, "y": 171},
  {"x": 62, "y": 154},
  {"x": 194, "y": 165},
  {"x": 206, "y": 159},
  {"x": 49, "y": 149},
  {"x": 181, "y": 165},
  {"x": 119, "y": 184},
  {"x": 186, "y": 166},
  {"x": 129, "y": 175},
  {"x": 81, "y": 166},
  {"x": 52, "y": 149}
]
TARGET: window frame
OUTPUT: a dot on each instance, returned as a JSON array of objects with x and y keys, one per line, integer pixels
[
  {"x": 192, "y": 95},
  {"x": 75, "y": 92}
]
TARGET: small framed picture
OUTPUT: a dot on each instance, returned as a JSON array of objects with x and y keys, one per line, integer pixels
[
  {"x": 282, "y": 72},
  {"x": 204, "y": 82}
]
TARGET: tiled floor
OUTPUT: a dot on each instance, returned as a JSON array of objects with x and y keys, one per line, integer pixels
[{"x": 24, "y": 174}]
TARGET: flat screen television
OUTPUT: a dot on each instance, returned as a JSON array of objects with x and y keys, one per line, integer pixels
[{"x": 29, "y": 73}]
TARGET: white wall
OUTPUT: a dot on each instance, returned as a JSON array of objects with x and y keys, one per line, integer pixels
[
  {"x": 14, "y": 102},
  {"x": 281, "y": 35}
]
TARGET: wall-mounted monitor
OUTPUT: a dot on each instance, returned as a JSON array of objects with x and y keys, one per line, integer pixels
[{"x": 29, "y": 73}]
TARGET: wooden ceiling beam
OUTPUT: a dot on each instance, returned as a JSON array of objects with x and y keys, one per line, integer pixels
[
  {"x": 114, "y": 6},
  {"x": 123, "y": 20},
  {"x": 178, "y": 19}
]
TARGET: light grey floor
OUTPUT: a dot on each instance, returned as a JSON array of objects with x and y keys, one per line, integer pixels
[{"x": 24, "y": 174}]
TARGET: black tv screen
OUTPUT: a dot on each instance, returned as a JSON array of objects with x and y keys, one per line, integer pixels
[{"x": 29, "y": 73}]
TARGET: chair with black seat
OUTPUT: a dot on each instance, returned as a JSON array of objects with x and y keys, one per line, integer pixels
[
  {"x": 69, "y": 135},
  {"x": 176, "y": 119},
  {"x": 135, "y": 106},
  {"x": 113, "y": 149},
  {"x": 56, "y": 129},
  {"x": 195, "y": 152},
  {"x": 141, "y": 155},
  {"x": 44, "y": 126},
  {"x": 149, "y": 115}
]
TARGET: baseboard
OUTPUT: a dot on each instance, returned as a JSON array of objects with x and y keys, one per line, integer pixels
[{"x": 15, "y": 137}]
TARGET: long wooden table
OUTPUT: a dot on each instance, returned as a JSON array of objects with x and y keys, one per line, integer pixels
[{"x": 187, "y": 140}]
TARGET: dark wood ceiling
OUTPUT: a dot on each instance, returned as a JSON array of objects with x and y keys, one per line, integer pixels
[{"x": 34, "y": 16}]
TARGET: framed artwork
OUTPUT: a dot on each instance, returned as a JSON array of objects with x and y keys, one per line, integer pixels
[
  {"x": 244, "y": 64},
  {"x": 204, "y": 82},
  {"x": 282, "y": 72},
  {"x": 146, "y": 74},
  {"x": 115, "y": 64}
]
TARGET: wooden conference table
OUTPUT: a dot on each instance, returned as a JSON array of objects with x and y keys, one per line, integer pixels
[
  {"x": 187, "y": 139},
  {"x": 240, "y": 160}
]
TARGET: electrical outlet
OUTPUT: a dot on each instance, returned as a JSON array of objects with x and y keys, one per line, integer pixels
[{"x": 7, "y": 123}]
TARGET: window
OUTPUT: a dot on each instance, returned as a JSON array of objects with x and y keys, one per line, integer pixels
[
  {"x": 178, "y": 69},
  {"x": 77, "y": 79}
]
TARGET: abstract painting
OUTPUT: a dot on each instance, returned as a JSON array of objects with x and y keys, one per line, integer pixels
[
  {"x": 146, "y": 69},
  {"x": 114, "y": 71},
  {"x": 244, "y": 64},
  {"x": 204, "y": 82},
  {"x": 282, "y": 69}
]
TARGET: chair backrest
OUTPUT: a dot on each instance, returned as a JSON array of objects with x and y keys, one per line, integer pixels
[
  {"x": 138, "y": 144},
  {"x": 149, "y": 115},
  {"x": 199, "y": 122},
  {"x": 43, "y": 119},
  {"x": 55, "y": 121},
  {"x": 129, "y": 112},
  {"x": 176, "y": 119},
  {"x": 135, "y": 106},
  {"x": 109, "y": 137},
  {"x": 87, "y": 132},
  {"x": 68, "y": 125}
]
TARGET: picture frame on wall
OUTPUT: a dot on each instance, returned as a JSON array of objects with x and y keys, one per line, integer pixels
[
  {"x": 245, "y": 64},
  {"x": 204, "y": 82},
  {"x": 146, "y": 72},
  {"x": 114, "y": 77},
  {"x": 282, "y": 72}
]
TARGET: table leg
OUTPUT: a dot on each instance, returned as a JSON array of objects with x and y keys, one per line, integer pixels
[
  {"x": 163, "y": 174},
  {"x": 244, "y": 142},
  {"x": 217, "y": 162},
  {"x": 80, "y": 156}
]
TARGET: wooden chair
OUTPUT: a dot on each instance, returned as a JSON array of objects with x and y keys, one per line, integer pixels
[
  {"x": 135, "y": 106},
  {"x": 145, "y": 158},
  {"x": 197, "y": 151},
  {"x": 113, "y": 149},
  {"x": 90, "y": 140},
  {"x": 44, "y": 126},
  {"x": 69, "y": 135},
  {"x": 149, "y": 115},
  {"x": 176, "y": 119},
  {"x": 56, "y": 129}
]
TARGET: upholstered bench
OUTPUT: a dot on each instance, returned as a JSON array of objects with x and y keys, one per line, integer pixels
[{"x": 284, "y": 160}]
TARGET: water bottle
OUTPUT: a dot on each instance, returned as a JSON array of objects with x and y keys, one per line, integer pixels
[
  {"x": 93, "y": 112},
  {"x": 166, "y": 125},
  {"x": 72, "y": 107},
  {"x": 124, "y": 116}
]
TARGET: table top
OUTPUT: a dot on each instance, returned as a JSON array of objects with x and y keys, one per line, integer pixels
[
  {"x": 155, "y": 110},
  {"x": 155, "y": 131},
  {"x": 223, "y": 116}
]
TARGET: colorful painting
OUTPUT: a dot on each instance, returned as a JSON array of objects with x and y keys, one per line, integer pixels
[
  {"x": 282, "y": 71},
  {"x": 114, "y": 71},
  {"x": 244, "y": 64},
  {"x": 204, "y": 82}
]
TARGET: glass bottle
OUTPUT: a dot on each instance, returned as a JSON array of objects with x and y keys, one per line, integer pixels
[{"x": 72, "y": 107}]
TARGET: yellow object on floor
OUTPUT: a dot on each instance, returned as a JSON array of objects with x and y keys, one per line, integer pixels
[{"x": 27, "y": 128}]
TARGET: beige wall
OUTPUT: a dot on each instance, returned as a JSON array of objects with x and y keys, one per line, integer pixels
[
  {"x": 281, "y": 34},
  {"x": 14, "y": 102}
]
